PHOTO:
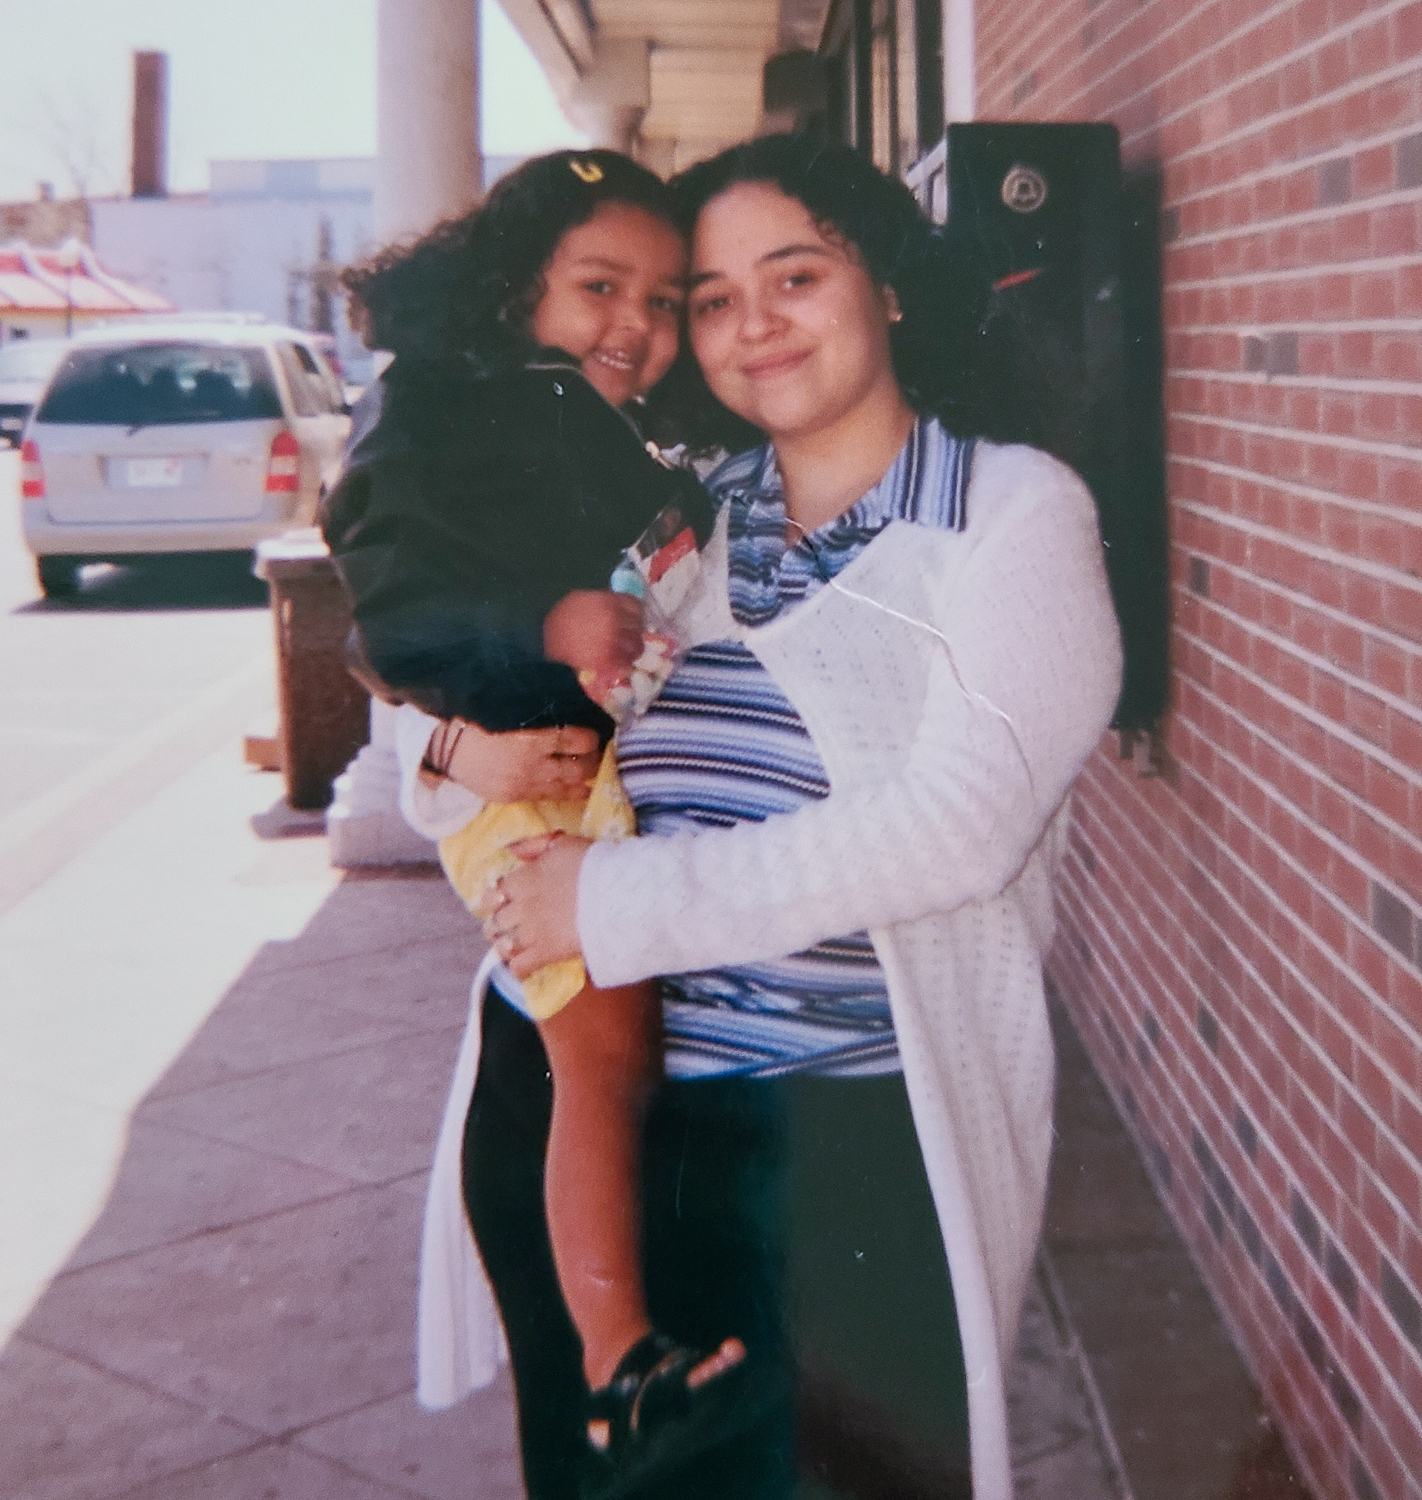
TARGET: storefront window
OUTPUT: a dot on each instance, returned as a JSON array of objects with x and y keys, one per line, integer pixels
[
  {"x": 928, "y": 95},
  {"x": 884, "y": 78}
]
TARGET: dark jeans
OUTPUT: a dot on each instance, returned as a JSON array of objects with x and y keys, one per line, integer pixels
[{"x": 794, "y": 1213}]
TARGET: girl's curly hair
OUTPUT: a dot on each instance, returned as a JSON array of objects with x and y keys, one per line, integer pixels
[
  {"x": 957, "y": 352},
  {"x": 472, "y": 283}
]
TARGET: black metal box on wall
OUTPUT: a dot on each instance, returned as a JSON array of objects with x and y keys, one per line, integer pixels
[{"x": 1070, "y": 250}]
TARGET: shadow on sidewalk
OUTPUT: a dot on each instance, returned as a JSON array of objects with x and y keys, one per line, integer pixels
[
  {"x": 1170, "y": 1392},
  {"x": 239, "y": 1321}
]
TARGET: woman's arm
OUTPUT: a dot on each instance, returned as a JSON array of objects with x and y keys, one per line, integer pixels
[{"x": 1021, "y": 688}]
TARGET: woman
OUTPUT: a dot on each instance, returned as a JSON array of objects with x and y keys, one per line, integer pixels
[{"x": 902, "y": 652}]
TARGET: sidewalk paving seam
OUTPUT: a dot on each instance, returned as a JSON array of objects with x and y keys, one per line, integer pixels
[
  {"x": 51, "y": 831},
  {"x": 109, "y": 1373},
  {"x": 296, "y": 1062},
  {"x": 196, "y": 1469},
  {"x": 119, "y": 1257},
  {"x": 356, "y": 1183},
  {"x": 294, "y": 1435},
  {"x": 317, "y": 963},
  {"x": 1056, "y": 1301},
  {"x": 354, "y": 1186},
  {"x": 56, "y": 802}
]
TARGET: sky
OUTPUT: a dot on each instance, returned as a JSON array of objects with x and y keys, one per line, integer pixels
[{"x": 246, "y": 78}]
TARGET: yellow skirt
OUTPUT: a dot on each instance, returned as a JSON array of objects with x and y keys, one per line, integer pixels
[{"x": 476, "y": 856}]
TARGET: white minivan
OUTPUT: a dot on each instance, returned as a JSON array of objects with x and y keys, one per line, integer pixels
[{"x": 170, "y": 436}]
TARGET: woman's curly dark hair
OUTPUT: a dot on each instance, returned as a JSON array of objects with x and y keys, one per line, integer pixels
[
  {"x": 957, "y": 352},
  {"x": 472, "y": 283}
]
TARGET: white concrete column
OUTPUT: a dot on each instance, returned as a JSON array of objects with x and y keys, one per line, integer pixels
[
  {"x": 609, "y": 126},
  {"x": 363, "y": 823},
  {"x": 427, "y": 160},
  {"x": 428, "y": 168},
  {"x": 658, "y": 154},
  {"x": 959, "y": 60},
  {"x": 609, "y": 100}
]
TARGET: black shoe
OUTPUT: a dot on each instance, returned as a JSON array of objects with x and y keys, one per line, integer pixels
[{"x": 647, "y": 1424}]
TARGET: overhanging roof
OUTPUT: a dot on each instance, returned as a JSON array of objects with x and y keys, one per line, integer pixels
[
  {"x": 44, "y": 281},
  {"x": 689, "y": 70}
]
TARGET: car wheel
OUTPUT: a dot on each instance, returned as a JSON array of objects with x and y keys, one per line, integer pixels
[{"x": 58, "y": 576}]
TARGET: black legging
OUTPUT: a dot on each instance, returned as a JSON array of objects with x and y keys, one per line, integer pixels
[{"x": 794, "y": 1213}]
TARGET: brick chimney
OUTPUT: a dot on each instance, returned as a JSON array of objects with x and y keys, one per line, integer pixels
[{"x": 150, "y": 125}]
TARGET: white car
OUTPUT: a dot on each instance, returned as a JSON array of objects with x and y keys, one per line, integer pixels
[
  {"x": 25, "y": 366},
  {"x": 165, "y": 436}
]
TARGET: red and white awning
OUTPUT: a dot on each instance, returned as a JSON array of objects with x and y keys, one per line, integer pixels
[{"x": 49, "y": 281}]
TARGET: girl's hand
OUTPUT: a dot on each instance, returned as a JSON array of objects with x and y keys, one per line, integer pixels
[
  {"x": 595, "y": 630},
  {"x": 520, "y": 765},
  {"x": 535, "y": 920}
]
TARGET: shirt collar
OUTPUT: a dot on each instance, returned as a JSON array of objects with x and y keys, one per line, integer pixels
[
  {"x": 926, "y": 484},
  {"x": 752, "y": 487}
]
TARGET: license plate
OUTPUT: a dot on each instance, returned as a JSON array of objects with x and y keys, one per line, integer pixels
[{"x": 154, "y": 473}]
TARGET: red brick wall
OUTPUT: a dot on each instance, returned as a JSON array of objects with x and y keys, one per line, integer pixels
[{"x": 1242, "y": 939}]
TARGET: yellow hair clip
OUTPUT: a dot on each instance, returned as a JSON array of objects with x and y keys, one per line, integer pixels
[{"x": 587, "y": 171}]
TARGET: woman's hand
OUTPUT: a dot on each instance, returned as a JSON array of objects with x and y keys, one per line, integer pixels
[
  {"x": 519, "y": 765},
  {"x": 535, "y": 920}
]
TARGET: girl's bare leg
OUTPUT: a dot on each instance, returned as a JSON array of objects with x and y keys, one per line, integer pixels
[{"x": 604, "y": 1050}]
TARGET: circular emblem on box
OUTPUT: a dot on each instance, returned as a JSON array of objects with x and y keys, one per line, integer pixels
[{"x": 1024, "y": 189}]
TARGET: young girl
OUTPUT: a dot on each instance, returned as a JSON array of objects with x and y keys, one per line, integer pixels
[{"x": 493, "y": 487}]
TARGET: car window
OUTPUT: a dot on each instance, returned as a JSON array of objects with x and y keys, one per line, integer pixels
[
  {"x": 309, "y": 392},
  {"x": 330, "y": 381},
  {"x": 30, "y": 359},
  {"x": 147, "y": 385}
]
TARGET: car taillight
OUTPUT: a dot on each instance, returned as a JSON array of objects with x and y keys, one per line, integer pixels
[
  {"x": 284, "y": 465},
  {"x": 31, "y": 471}
]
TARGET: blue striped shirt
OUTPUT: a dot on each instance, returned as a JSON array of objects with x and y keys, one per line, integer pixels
[
  {"x": 927, "y": 483},
  {"x": 723, "y": 745}
]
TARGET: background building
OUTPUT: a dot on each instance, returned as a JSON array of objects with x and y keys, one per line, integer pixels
[
  {"x": 45, "y": 220},
  {"x": 52, "y": 292},
  {"x": 267, "y": 237}
]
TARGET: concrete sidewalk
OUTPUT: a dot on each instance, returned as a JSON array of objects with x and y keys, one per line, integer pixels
[{"x": 233, "y": 1063}]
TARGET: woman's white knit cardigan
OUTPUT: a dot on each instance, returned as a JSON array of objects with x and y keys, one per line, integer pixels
[{"x": 954, "y": 684}]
